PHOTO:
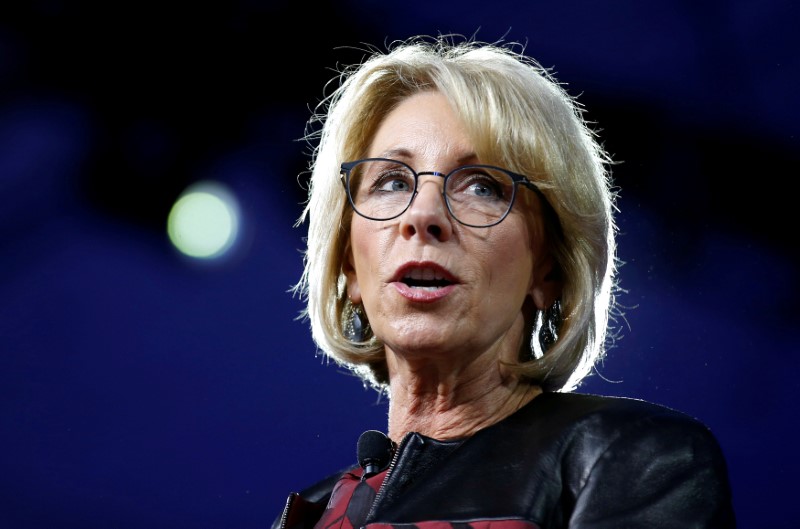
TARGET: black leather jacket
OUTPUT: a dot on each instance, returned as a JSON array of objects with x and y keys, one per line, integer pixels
[{"x": 564, "y": 460}]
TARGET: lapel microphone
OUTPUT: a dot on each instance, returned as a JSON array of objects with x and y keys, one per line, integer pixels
[{"x": 374, "y": 452}]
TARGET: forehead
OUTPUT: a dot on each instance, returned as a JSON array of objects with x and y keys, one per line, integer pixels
[{"x": 422, "y": 126}]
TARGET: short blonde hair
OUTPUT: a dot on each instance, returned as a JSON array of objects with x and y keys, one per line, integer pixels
[{"x": 519, "y": 117}]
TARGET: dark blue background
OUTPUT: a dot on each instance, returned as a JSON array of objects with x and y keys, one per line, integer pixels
[{"x": 139, "y": 390}]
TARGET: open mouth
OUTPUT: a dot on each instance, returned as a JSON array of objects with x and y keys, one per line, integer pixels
[
  {"x": 426, "y": 277},
  {"x": 426, "y": 283}
]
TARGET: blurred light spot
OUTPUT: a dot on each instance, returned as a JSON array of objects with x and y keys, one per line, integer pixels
[{"x": 204, "y": 221}]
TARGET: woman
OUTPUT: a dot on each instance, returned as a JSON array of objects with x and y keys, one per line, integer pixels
[{"x": 461, "y": 259}]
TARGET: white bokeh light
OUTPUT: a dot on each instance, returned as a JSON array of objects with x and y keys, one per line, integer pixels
[{"x": 204, "y": 221}]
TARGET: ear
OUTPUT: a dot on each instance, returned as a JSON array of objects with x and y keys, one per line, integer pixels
[
  {"x": 546, "y": 284},
  {"x": 349, "y": 269}
]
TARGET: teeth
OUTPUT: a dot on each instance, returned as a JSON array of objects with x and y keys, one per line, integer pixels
[
  {"x": 425, "y": 278},
  {"x": 424, "y": 274}
]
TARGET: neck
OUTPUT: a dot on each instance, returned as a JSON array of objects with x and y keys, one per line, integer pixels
[{"x": 448, "y": 409}]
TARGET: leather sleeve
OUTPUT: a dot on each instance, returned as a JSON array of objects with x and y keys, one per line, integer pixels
[
  {"x": 304, "y": 509},
  {"x": 658, "y": 472}
]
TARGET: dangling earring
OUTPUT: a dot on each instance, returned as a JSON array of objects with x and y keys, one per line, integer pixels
[
  {"x": 551, "y": 322},
  {"x": 355, "y": 325},
  {"x": 545, "y": 330}
]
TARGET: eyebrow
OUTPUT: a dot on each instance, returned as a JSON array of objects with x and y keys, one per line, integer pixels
[{"x": 402, "y": 154}]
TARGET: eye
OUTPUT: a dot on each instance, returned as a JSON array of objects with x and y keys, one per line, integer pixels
[
  {"x": 482, "y": 183},
  {"x": 396, "y": 180},
  {"x": 483, "y": 188}
]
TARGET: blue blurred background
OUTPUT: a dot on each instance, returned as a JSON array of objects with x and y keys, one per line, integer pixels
[{"x": 140, "y": 388}]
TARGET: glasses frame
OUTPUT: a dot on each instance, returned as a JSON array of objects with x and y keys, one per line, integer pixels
[{"x": 516, "y": 178}]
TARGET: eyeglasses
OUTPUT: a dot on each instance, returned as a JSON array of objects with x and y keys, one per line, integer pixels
[{"x": 478, "y": 196}]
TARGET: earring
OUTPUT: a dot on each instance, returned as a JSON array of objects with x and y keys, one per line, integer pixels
[
  {"x": 551, "y": 321},
  {"x": 545, "y": 330},
  {"x": 355, "y": 325}
]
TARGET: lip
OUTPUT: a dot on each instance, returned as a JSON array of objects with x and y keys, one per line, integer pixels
[{"x": 420, "y": 294}]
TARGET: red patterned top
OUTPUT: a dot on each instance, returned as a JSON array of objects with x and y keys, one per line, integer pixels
[{"x": 350, "y": 501}]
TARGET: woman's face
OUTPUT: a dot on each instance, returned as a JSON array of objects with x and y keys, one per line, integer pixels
[{"x": 429, "y": 285}]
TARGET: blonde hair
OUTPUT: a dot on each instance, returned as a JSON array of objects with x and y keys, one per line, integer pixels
[{"x": 519, "y": 117}]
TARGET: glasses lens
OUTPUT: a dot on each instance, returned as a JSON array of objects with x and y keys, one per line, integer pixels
[
  {"x": 479, "y": 195},
  {"x": 381, "y": 189}
]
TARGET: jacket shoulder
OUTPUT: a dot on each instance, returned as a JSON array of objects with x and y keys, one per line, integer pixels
[
  {"x": 594, "y": 423},
  {"x": 647, "y": 463},
  {"x": 321, "y": 489},
  {"x": 304, "y": 508},
  {"x": 587, "y": 411}
]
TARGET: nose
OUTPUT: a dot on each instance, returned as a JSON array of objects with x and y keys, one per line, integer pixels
[{"x": 427, "y": 216}]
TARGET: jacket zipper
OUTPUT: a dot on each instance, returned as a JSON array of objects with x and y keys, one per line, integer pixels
[
  {"x": 379, "y": 495},
  {"x": 286, "y": 508}
]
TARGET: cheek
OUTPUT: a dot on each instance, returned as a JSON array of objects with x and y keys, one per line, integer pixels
[
  {"x": 366, "y": 251},
  {"x": 359, "y": 240},
  {"x": 512, "y": 257}
]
